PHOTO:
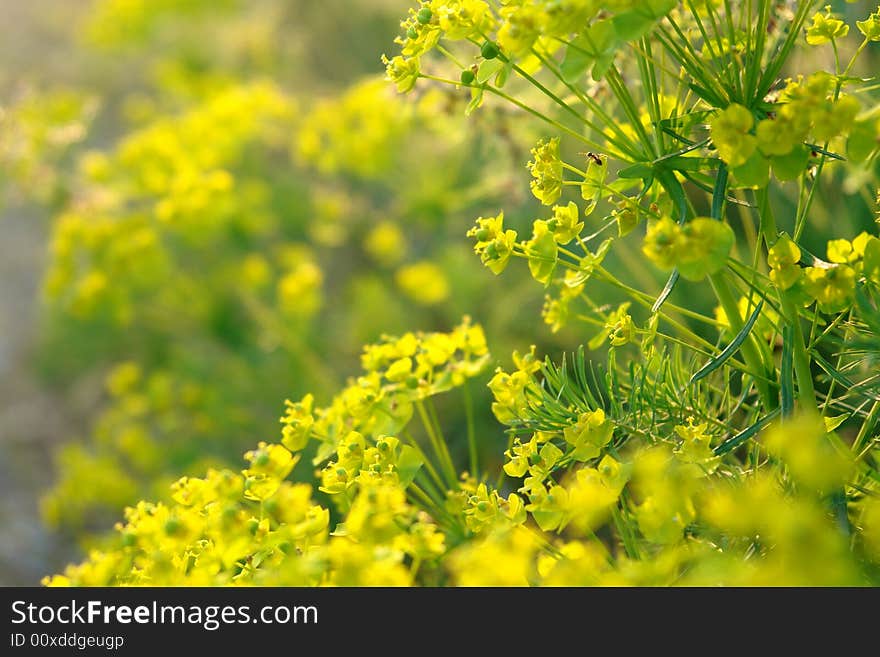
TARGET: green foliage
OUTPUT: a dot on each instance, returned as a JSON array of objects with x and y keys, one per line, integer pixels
[{"x": 690, "y": 447}]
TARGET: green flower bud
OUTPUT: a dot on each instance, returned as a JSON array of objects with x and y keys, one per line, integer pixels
[
  {"x": 467, "y": 77},
  {"x": 490, "y": 50},
  {"x": 424, "y": 16},
  {"x": 483, "y": 235}
]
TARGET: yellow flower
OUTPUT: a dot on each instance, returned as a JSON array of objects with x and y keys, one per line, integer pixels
[
  {"x": 826, "y": 28},
  {"x": 423, "y": 282},
  {"x": 298, "y": 422},
  {"x": 269, "y": 465},
  {"x": 402, "y": 71},
  {"x": 731, "y": 134},
  {"x": 546, "y": 170}
]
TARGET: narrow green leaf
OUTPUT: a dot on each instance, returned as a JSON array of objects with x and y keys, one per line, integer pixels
[
  {"x": 735, "y": 441},
  {"x": 638, "y": 170},
  {"x": 869, "y": 314},
  {"x": 844, "y": 380},
  {"x": 786, "y": 370},
  {"x": 730, "y": 349},
  {"x": 667, "y": 290},
  {"x": 692, "y": 146}
]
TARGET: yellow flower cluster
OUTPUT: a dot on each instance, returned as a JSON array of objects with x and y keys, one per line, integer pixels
[
  {"x": 831, "y": 284},
  {"x": 809, "y": 110},
  {"x": 256, "y": 527},
  {"x": 356, "y": 133},
  {"x": 166, "y": 189},
  {"x": 682, "y": 514}
]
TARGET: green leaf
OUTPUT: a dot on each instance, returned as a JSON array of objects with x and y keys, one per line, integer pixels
[
  {"x": 844, "y": 380},
  {"x": 667, "y": 290},
  {"x": 476, "y": 100},
  {"x": 575, "y": 63},
  {"x": 488, "y": 68},
  {"x": 504, "y": 74},
  {"x": 681, "y": 163},
  {"x": 730, "y": 349},
  {"x": 831, "y": 423},
  {"x": 631, "y": 26},
  {"x": 869, "y": 313},
  {"x": 638, "y": 170},
  {"x": 603, "y": 63},
  {"x": 786, "y": 371},
  {"x": 408, "y": 464},
  {"x": 593, "y": 44},
  {"x": 735, "y": 441},
  {"x": 594, "y": 182},
  {"x": 542, "y": 252},
  {"x": 637, "y": 22}
]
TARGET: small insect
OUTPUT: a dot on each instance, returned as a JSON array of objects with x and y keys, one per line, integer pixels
[{"x": 596, "y": 158}]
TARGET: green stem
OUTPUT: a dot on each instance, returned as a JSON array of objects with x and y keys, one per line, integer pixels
[
  {"x": 486, "y": 87},
  {"x": 438, "y": 446},
  {"x": 623, "y": 530},
  {"x": 806, "y": 391},
  {"x": 428, "y": 465},
  {"x": 471, "y": 433}
]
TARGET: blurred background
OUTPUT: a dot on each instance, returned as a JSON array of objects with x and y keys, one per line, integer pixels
[{"x": 209, "y": 206}]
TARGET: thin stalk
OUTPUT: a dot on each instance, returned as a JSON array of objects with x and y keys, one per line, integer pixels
[
  {"x": 471, "y": 433},
  {"x": 619, "y": 139},
  {"x": 806, "y": 391},
  {"x": 428, "y": 465},
  {"x": 438, "y": 445},
  {"x": 510, "y": 99},
  {"x": 615, "y": 81}
]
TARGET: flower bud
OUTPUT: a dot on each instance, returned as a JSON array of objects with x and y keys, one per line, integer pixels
[{"x": 490, "y": 50}]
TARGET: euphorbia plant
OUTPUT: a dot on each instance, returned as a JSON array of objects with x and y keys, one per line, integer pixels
[{"x": 734, "y": 447}]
